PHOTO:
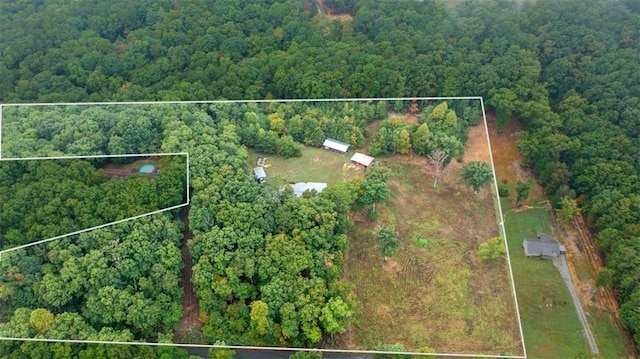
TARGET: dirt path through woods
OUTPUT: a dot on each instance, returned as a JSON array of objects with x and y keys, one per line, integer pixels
[{"x": 190, "y": 307}]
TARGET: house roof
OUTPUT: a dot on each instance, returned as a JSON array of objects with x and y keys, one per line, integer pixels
[
  {"x": 300, "y": 187},
  {"x": 336, "y": 145},
  {"x": 362, "y": 159},
  {"x": 543, "y": 245},
  {"x": 259, "y": 172}
]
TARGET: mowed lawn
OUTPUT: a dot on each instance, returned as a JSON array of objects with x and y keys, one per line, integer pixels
[
  {"x": 315, "y": 165},
  {"x": 550, "y": 323}
]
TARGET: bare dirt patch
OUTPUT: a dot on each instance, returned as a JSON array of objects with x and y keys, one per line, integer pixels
[
  {"x": 391, "y": 265},
  {"x": 190, "y": 308},
  {"x": 341, "y": 17},
  {"x": 583, "y": 257},
  {"x": 507, "y": 159},
  {"x": 330, "y": 14},
  {"x": 409, "y": 118}
]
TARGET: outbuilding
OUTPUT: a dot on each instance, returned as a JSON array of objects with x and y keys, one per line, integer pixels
[
  {"x": 301, "y": 187},
  {"x": 335, "y": 145},
  {"x": 362, "y": 159},
  {"x": 260, "y": 174}
]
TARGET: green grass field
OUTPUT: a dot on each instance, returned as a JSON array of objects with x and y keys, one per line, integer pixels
[
  {"x": 550, "y": 323},
  {"x": 315, "y": 165}
]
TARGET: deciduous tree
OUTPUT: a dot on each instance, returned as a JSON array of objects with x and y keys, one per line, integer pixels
[
  {"x": 476, "y": 173},
  {"x": 491, "y": 250}
]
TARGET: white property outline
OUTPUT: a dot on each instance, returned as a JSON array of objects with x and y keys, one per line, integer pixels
[
  {"x": 186, "y": 154},
  {"x": 497, "y": 198}
]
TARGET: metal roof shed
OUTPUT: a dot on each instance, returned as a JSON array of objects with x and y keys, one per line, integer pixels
[
  {"x": 362, "y": 159},
  {"x": 260, "y": 174},
  {"x": 331, "y": 144}
]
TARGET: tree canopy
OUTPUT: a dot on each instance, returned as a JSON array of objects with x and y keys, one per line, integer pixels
[{"x": 568, "y": 69}]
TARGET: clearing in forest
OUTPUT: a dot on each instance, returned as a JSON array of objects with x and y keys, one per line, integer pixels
[
  {"x": 315, "y": 165},
  {"x": 434, "y": 294}
]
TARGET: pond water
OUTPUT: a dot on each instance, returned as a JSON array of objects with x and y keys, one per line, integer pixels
[{"x": 147, "y": 168}]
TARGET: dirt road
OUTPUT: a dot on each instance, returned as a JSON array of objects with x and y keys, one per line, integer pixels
[
  {"x": 561, "y": 263},
  {"x": 190, "y": 307}
]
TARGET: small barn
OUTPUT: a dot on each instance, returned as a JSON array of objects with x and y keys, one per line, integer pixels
[
  {"x": 335, "y": 145},
  {"x": 362, "y": 160},
  {"x": 301, "y": 187},
  {"x": 260, "y": 174},
  {"x": 543, "y": 246}
]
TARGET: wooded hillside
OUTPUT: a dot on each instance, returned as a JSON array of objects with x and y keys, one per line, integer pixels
[{"x": 570, "y": 70}]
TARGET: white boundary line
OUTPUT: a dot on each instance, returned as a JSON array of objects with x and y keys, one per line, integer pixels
[
  {"x": 1, "y": 107},
  {"x": 503, "y": 227},
  {"x": 359, "y": 99},
  {"x": 282, "y": 101},
  {"x": 106, "y": 224},
  {"x": 74, "y": 157},
  {"x": 271, "y": 349}
]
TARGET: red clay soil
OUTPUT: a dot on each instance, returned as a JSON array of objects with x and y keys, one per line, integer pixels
[
  {"x": 190, "y": 307},
  {"x": 507, "y": 159}
]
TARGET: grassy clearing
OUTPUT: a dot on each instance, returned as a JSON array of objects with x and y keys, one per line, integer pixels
[
  {"x": 610, "y": 339},
  {"x": 550, "y": 324},
  {"x": 434, "y": 293},
  {"x": 549, "y": 332},
  {"x": 315, "y": 165}
]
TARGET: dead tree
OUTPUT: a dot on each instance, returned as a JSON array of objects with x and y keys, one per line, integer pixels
[{"x": 436, "y": 159}]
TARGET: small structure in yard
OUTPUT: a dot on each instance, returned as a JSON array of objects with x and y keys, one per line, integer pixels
[
  {"x": 542, "y": 246},
  {"x": 301, "y": 187},
  {"x": 260, "y": 174},
  {"x": 362, "y": 160},
  {"x": 335, "y": 145}
]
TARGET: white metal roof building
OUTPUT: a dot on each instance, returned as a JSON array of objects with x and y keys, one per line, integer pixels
[
  {"x": 362, "y": 159},
  {"x": 300, "y": 187},
  {"x": 331, "y": 144},
  {"x": 260, "y": 174}
]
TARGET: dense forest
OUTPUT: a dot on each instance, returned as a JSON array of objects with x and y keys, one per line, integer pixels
[
  {"x": 570, "y": 70},
  {"x": 44, "y": 199},
  {"x": 250, "y": 241}
]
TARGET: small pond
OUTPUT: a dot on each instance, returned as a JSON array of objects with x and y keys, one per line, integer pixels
[{"x": 147, "y": 168}]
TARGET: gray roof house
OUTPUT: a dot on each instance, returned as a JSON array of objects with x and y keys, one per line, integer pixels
[{"x": 542, "y": 246}]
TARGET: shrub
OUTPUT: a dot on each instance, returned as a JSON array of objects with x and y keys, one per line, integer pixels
[
  {"x": 287, "y": 147},
  {"x": 491, "y": 249},
  {"x": 372, "y": 215},
  {"x": 503, "y": 190}
]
